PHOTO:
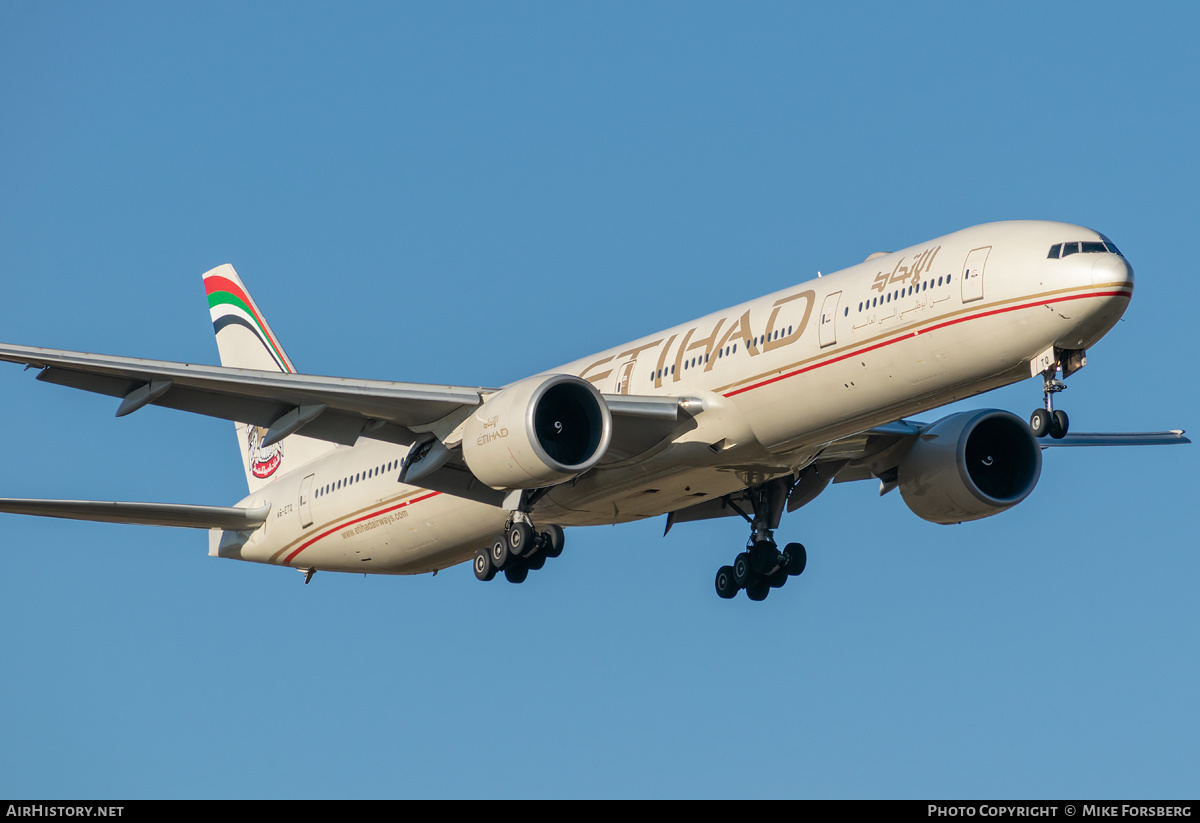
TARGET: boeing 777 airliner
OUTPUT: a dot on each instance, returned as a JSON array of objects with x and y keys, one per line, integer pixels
[{"x": 747, "y": 412}]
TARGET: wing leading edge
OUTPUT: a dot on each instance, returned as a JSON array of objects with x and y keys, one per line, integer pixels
[
  {"x": 181, "y": 515},
  {"x": 334, "y": 409}
]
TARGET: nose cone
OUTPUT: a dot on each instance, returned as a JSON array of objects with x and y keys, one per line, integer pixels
[
  {"x": 1095, "y": 316},
  {"x": 1112, "y": 270}
]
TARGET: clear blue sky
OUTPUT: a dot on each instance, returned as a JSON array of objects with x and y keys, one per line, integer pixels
[{"x": 471, "y": 192}]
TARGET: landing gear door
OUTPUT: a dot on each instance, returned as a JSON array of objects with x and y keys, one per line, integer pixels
[
  {"x": 828, "y": 330},
  {"x": 306, "y": 485},
  {"x": 972, "y": 276}
]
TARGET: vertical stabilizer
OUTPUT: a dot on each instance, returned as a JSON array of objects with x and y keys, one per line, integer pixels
[{"x": 245, "y": 341}]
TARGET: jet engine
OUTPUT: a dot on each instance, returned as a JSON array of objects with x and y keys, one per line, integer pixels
[
  {"x": 537, "y": 432},
  {"x": 970, "y": 465}
]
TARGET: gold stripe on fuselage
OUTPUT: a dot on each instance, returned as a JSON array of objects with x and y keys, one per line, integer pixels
[{"x": 941, "y": 319}]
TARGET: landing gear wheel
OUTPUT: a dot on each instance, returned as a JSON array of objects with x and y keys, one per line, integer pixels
[
  {"x": 520, "y": 539},
  {"x": 758, "y": 591},
  {"x": 500, "y": 553},
  {"x": 536, "y": 561},
  {"x": 763, "y": 557},
  {"x": 516, "y": 571},
  {"x": 1040, "y": 422},
  {"x": 555, "y": 539},
  {"x": 484, "y": 570},
  {"x": 742, "y": 573},
  {"x": 777, "y": 578},
  {"x": 727, "y": 588},
  {"x": 795, "y": 558},
  {"x": 1059, "y": 425}
]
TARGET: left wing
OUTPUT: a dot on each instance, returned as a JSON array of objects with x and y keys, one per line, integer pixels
[{"x": 335, "y": 409}]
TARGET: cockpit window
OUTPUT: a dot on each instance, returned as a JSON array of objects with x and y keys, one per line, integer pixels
[{"x": 1083, "y": 247}]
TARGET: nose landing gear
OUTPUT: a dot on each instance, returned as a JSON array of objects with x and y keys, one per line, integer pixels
[{"x": 1047, "y": 420}]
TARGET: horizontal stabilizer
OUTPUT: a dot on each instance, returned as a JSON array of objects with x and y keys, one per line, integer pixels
[
  {"x": 181, "y": 515},
  {"x": 1170, "y": 438}
]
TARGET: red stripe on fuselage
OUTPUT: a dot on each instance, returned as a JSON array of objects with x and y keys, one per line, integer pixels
[
  {"x": 1127, "y": 293},
  {"x": 335, "y": 529}
]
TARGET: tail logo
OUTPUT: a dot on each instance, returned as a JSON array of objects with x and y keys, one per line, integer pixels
[
  {"x": 229, "y": 304},
  {"x": 263, "y": 460}
]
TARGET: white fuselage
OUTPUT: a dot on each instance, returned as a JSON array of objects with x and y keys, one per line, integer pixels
[{"x": 780, "y": 377}]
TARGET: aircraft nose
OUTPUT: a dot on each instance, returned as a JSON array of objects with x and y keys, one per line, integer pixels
[{"x": 1112, "y": 270}]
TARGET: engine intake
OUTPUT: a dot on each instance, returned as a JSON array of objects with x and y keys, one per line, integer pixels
[
  {"x": 970, "y": 465},
  {"x": 537, "y": 432}
]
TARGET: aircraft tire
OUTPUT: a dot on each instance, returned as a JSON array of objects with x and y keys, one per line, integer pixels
[
  {"x": 758, "y": 591},
  {"x": 743, "y": 574},
  {"x": 500, "y": 553},
  {"x": 535, "y": 561},
  {"x": 484, "y": 570},
  {"x": 516, "y": 571},
  {"x": 1059, "y": 425},
  {"x": 556, "y": 539},
  {"x": 1039, "y": 422},
  {"x": 778, "y": 578},
  {"x": 520, "y": 539},
  {"x": 764, "y": 557},
  {"x": 727, "y": 588},
  {"x": 795, "y": 558}
]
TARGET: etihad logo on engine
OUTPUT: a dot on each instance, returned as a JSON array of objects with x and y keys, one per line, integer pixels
[{"x": 496, "y": 433}]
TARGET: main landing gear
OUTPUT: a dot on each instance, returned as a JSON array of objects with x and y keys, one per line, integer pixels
[
  {"x": 762, "y": 567},
  {"x": 1047, "y": 420},
  {"x": 518, "y": 550}
]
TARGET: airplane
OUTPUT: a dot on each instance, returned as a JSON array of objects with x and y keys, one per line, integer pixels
[{"x": 750, "y": 411}]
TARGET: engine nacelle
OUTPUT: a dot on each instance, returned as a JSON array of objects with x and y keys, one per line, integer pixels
[
  {"x": 970, "y": 465},
  {"x": 537, "y": 432}
]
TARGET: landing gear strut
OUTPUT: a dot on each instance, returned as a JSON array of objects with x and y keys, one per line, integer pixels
[
  {"x": 1047, "y": 420},
  {"x": 762, "y": 567}
]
